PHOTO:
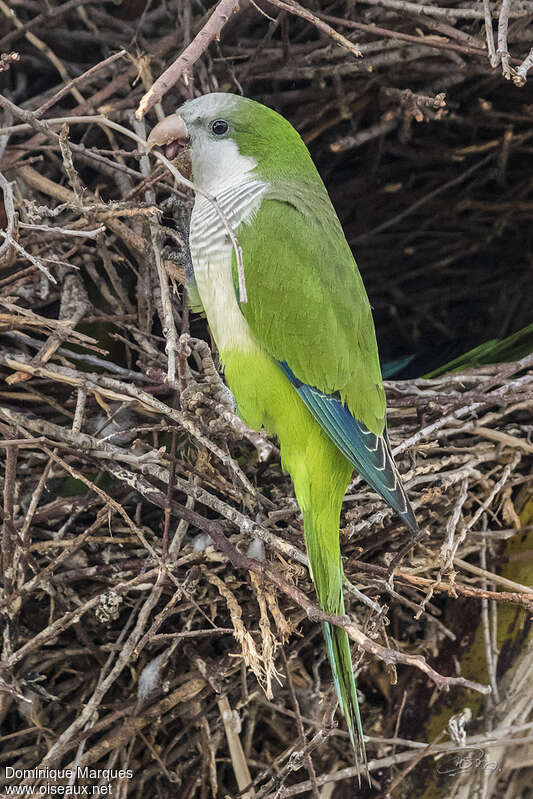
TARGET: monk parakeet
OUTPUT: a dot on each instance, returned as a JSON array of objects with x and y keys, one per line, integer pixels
[{"x": 300, "y": 356}]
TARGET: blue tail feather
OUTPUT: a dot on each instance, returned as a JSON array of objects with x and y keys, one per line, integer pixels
[{"x": 370, "y": 454}]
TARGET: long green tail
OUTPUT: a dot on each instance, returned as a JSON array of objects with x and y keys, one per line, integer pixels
[
  {"x": 322, "y": 541},
  {"x": 338, "y": 648}
]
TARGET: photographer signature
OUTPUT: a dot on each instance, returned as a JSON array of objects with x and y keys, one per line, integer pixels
[{"x": 469, "y": 760}]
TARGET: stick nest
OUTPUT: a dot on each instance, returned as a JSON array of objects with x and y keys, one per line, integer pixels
[{"x": 157, "y": 610}]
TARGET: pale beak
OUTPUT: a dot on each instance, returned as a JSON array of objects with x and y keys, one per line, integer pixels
[{"x": 171, "y": 134}]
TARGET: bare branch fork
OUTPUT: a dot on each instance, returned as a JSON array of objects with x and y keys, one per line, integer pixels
[
  {"x": 8, "y": 235},
  {"x": 109, "y": 428},
  {"x": 212, "y": 30},
  {"x": 189, "y": 56},
  {"x": 180, "y": 179},
  {"x": 389, "y": 656}
]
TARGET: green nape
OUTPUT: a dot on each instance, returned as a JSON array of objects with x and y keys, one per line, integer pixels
[{"x": 320, "y": 474}]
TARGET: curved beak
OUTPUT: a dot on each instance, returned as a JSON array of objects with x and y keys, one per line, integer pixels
[{"x": 171, "y": 134}]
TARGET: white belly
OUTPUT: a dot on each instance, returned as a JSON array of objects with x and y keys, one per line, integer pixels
[
  {"x": 214, "y": 280},
  {"x": 211, "y": 254}
]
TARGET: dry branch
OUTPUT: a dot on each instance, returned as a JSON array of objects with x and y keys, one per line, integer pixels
[
  {"x": 190, "y": 55},
  {"x": 149, "y": 538}
]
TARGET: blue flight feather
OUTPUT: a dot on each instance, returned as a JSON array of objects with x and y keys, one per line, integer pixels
[{"x": 370, "y": 454}]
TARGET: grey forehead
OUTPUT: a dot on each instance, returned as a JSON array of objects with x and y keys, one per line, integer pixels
[{"x": 208, "y": 105}]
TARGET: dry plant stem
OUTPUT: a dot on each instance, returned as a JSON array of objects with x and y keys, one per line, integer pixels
[
  {"x": 491, "y": 651},
  {"x": 91, "y": 445},
  {"x": 274, "y": 787},
  {"x": 524, "y": 598},
  {"x": 437, "y": 11},
  {"x": 68, "y": 165},
  {"x": 70, "y": 618},
  {"x": 391, "y": 760},
  {"x": 40, "y": 45},
  {"x": 75, "y": 545},
  {"x": 4, "y": 137},
  {"x": 489, "y": 33},
  {"x": 9, "y": 532},
  {"x": 81, "y": 234},
  {"x": 52, "y": 12},
  {"x": 25, "y": 254},
  {"x": 167, "y": 321},
  {"x": 502, "y": 482},
  {"x": 239, "y": 560},
  {"x": 413, "y": 763},
  {"x": 111, "y": 503},
  {"x": 390, "y": 656},
  {"x": 9, "y": 209},
  {"x": 182, "y": 527},
  {"x": 74, "y": 306},
  {"x": 238, "y": 759},
  {"x": 449, "y": 549},
  {"x": 106, "y": 680},
  {"x": 434, "y": 42},
  {"x": 504, "y": 438},
  {"x": 300, "y": 727},
  {"x": 8, "y": 234},
  {"x": 98, "y": 448},
  {"x": 190, "y": 55},
  {"x": 117, "y": 391},
  {"x": 101, "y": 120},
  {"x": 503, "y": 24},
  {"x": 521, "y": 73},
  {"x": 423, "y": 200},
  {"x": 78, "y": 81},
  {"x": 295, "y": 8},
  {"x": 121, "y": 736},
  {"x": 200, "y": 494},
  {"x": 45, "y": 129},
  {"x": 77, "y": 422},
  {"x": 494, "y": 578}
]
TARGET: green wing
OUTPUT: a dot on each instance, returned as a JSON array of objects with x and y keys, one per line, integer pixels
[{"x": 307, "y": 304}]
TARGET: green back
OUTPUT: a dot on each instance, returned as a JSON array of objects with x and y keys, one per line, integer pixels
[{"x": 307, "y": 304}]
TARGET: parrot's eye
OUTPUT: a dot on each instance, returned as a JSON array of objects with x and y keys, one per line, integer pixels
[{"x": 219, "y": 127}]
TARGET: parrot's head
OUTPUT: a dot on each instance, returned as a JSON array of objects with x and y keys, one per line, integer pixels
[{"x": 230, "y": 137}]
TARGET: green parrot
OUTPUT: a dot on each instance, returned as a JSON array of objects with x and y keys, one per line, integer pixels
[{"x": 300, "y": 356}]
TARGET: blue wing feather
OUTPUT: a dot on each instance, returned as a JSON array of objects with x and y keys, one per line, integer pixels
[{"x": 370, "y": 454}]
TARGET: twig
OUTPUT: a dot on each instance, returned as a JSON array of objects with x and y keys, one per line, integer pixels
[
  {"x": 9, "y": 208},
  {"x": 521, "y": 73},
  {"x": 490, "y": 644},
  {"x": 503, "y": 24},
  {"x": 494, "y": 578},
  {"x": 240, "y": 766},
  {"x": 10, "y": 241},
  {"x": 300, "y": 727},
  {"x": 489, "y": 33},
  {"x": 167, "y": 320},
  {"x": 295, "y": 8},
  {"x": 102, "y": 120},
  {"x": 80, "y": 79},
  {"x": 190, "y": 55},
  {"x": 437, "y": 11},
  {"x": 389, "y": 656}
]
